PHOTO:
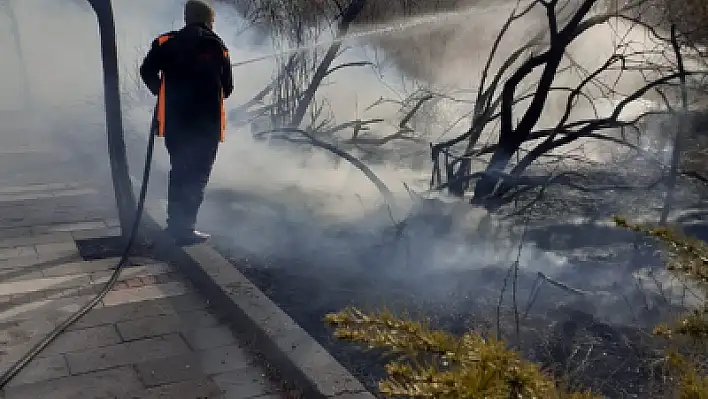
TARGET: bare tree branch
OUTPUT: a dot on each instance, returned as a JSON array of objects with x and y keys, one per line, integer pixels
[{"x": 380, "y": 185}]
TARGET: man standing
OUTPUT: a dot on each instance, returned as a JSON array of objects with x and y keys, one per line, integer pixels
[{"x": 190, "y": 72}]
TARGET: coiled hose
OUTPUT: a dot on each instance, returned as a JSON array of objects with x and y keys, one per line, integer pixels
[{"x": 8, "y": 375}]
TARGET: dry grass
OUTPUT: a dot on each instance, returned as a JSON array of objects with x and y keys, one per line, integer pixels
[
  {"x": 434, "y": 364},
  {"x": 687, "y": 338}
]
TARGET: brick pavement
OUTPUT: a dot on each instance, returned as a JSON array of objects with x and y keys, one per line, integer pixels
[{"x": 151, "y": 337}]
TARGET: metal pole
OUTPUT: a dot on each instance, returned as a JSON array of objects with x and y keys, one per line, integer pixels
[
  {"x": 122, "y": 186},
  {"x": 680, "y": 128},
  {"x": 15, "y": 28}
]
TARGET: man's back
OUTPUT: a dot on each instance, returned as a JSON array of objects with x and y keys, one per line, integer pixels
[{"x": 196, "y": 77}]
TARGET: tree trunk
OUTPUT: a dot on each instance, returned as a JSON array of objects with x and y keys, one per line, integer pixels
[
  {"x": 123, "y": 188},
  {"x": 459, "y": 184},
  {"x": 510, "y": 137}
]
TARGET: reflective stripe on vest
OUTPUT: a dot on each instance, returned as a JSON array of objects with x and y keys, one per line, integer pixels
[
  {"x": 161, "y": 96},
  {"x": 222, "y": 125},
  {"x": 223, "y": 110}
]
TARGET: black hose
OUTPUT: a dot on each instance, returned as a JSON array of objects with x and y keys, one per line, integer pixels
[{"x": 39, "y": 347}]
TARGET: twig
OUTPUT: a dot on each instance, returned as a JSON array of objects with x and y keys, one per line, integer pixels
[
  {"x": 533, "y": 294},
  {"x": 563, "y": 286},
  {"x": 516, "y": 278},
  {"x": 501, "y": 300},
  {"x": 515, "y": 269}
]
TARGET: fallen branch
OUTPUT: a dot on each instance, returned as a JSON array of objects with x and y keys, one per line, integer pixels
[
  {"x": 348, "y": 64},
  {"x": 358, "y": 125},
  {"x": 540, "y": 279},
  {"x": 380, "y": 185},
  {"x": 536, "y": 181}
]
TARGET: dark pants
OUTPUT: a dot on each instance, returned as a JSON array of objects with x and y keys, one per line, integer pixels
[{"x": 191, "y": 158}]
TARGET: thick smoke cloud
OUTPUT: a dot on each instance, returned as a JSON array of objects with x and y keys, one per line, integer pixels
[{"x": 277, "y": 200}]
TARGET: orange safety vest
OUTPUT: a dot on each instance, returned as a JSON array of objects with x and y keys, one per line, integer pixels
[{"x": 161, "y": 99}]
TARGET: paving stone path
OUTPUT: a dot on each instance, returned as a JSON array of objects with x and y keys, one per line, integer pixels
[{"x": 153, "y": 336}]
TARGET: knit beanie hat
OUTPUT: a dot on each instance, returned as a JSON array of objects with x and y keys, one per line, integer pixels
[{"x": 198, "y": 12}]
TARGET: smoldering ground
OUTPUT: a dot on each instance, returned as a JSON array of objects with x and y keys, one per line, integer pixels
[{"x": 311, "y": 229}]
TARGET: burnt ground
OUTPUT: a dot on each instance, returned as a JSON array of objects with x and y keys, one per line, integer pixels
[
  {"x": 565, "y": 338},
  {"x": 592, "y": 330},
  {"x": 562, "y": 334}
]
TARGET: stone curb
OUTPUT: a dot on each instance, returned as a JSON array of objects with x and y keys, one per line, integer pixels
[{"x": 297, "y": 356}]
